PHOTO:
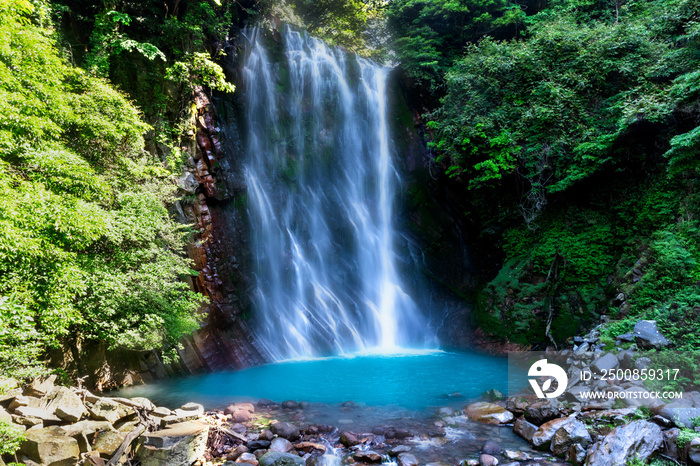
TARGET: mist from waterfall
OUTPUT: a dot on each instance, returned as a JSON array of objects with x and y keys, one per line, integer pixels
[{"x": 321, "y": 194}]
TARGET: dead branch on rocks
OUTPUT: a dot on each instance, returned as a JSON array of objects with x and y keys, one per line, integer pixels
[
  {"x": 220, "y": 437},
  {"x": 146, "y": 423}
]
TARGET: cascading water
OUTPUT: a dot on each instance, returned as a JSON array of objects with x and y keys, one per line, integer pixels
[{"x": 321, "y": 192}]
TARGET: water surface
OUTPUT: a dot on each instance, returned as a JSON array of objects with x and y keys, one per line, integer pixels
[{"x": 414, "y": 380}]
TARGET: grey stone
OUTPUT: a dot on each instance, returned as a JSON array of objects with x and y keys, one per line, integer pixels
[
  {"x": 680, "y": 412},
  {"x": 348, "y": 439},
  {"x": 181, "y": 444},
  {"x": 576, "y": 454},
  {"x": 625, "y": 358},
  {"x": 4, "y": 415},
  {"x": 368, "y": 456},
  {"x": 40, "y": 386},
  {"x": 281, "y": 444},
  {"x": 516, "y": 455},
  {"x": 648, "y": 336},
  {"x": 285, "y": 430},
  {"x": 606, "y": 363},
  {"x": 187, "y": 182},
  {"x": 626, "y": 337},
  {"x": 491, "y": 448},
  {"x": 161, "y": 412},
  {"x": 542, "y": 438},
  {"x": 487, "y": 460},
  {"x": 65, "y": 404},
  {"x": 107, "y": 442},
  {"x": 488, "y": 413},
  {"x": 236, "y": 452},
  {"x": 398, "y": 449},
  {"x": 105, "y": 409},
  {"x": 278, "y": 458},
  {"x": 638, "y": 439},
  {"x": 569, "y": 434},
  {"x": 50, "y": 446},
  {"x": 642, "y": 363},
  {"x": 543, "y": 411},
  {"x": 247, "y": 458},
  {"x": 259, "y": 445},
  {"x": 407, "y": 459},
  {"x": 290, "y": 404},
  {"x": 47, "y": 417},
  {"x": 524, "y": 428}
]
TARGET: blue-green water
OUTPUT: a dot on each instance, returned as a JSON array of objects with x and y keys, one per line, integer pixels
[{"x": 410, "y": 380}]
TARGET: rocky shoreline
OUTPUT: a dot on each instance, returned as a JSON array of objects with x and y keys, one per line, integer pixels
[{"x": 69, "y": 425}]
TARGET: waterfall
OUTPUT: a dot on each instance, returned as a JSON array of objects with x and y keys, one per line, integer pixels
[{"x": 321, "y": 187}]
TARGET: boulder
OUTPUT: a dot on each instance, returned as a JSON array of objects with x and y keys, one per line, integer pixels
[
  {"x": 4, "y": 415},
  {"x": 236, "y": 452},
  {"x": 65, "y": 404},
  {"x": 407, "y": 459},
  {"x": 187, "y": 182},
  {"x": 161, "y": 412},
  {"x": 290, "y": 404},
  {"x": 487, "y": 460},
  {"x": 569, "y": 434},
  {"x": 648, "y": 336},
  {"x": 576, "y": 455},
  {"x": 542, "y": 438},
  {"x": 642, "y": 363},
  {"x": 524, "y": 428},
  {"x": 542, "y": 411},
  {"x": 348, "y": 439},
  {"x": 278, "y": 458},
  {"x": 488, "y": 413},
  {"x": 105, "y": 409},
  {"x": 311, "y": 447},
  {"x": 50, "y": 446},
  {"x": 638, "y": 439},
  {"x": 47, "y": 417},
  {"x": 84, "y": 432},
  {"x": 40, "y": 386},
  {"x": 247, "y": 458},
  {"x": 181, "y": 444},
  {"x": 607, "y": 362},
  {"x": 254, "y": 445},
  {"x": 516, "y": 455},
  {"x": 285, "y": 430},
  {"x": 193, "y": 408},
  {"x": 241, "y": 415},
  {"x": 281, "y": 444},
  {"x": 107, "y": 441},
  {"x": 491, "y": 448},
  {"x": 680, "y": 412},
  {"x": 7, "y": 397},
  {"x": 368, "y": 456},
  {"x": 398, "y": 449}
]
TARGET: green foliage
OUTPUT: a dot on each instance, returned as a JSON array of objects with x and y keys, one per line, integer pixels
[
  {"x": 685, "y": 437},
  {"x": 339, "y": 22},
  {"x": 108, "y": 40},
  {"x": 199, "y": 70},
  {"x": 11, "y": 437},
  {"x": 20, "y": 343},
  {"x": 87, "y": 248},
  {"x": 430, "y": 34}
]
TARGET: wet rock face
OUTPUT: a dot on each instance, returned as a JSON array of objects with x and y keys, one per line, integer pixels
[{"x": 638, "y": 439}]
